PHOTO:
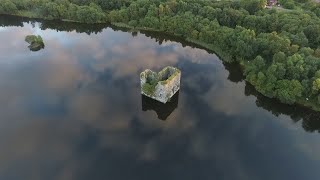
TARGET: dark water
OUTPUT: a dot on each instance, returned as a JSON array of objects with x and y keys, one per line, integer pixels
[{"x": 74, "y": 111}]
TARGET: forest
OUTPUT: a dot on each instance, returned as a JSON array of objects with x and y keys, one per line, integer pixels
[{"x": 277, "y": 48}]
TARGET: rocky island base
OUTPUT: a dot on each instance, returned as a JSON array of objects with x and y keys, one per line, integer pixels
[{"x": 36, "y": 42}]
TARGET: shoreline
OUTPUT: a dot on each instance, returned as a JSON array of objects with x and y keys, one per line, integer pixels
[{"x": 219, "y": 52}]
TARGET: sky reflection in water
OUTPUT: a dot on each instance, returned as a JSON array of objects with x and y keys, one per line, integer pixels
[{"x": 74, "y": 111}]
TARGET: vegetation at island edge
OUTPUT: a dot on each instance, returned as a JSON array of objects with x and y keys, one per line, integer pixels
[
  {"x": 36, "y": 42},
  {"x": 153, "y": 79},
  {"x": 278, "y": 48}
]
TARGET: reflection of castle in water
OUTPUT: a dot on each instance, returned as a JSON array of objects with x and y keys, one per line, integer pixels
[
  {"x": 310, "y": 119},
  {"x": 163, "y": 110}
]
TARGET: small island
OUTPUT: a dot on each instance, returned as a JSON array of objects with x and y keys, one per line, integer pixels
[
  {"x": 36, "y": 42},
  {"x": 160, "y": 86},
  {"x": 275, "y": 42}
]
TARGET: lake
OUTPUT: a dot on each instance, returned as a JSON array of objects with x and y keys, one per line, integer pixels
[{"x": 73, "y": 110}]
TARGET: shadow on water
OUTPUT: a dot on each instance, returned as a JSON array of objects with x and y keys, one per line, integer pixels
[
  {"x": 235, "y": 72},
  {"x": 163, "y": 110},
  {"x": 310, "y": 119},
  {"x": 8, "y": 20},
  {"x": 35, "y": 48}
]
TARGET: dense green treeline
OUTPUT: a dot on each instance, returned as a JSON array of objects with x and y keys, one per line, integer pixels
[
  {"x": 58, "y": 9},
  {"x": 278, "y": 49}
]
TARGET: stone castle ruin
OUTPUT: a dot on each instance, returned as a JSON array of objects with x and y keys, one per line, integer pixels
[{"x": 160, "y": 86}]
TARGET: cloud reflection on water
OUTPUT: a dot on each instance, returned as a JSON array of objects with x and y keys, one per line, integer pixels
[{"x": 73, "y": 111}]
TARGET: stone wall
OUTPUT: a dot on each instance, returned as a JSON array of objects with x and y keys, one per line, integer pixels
[{"x": 160, "y": 86}]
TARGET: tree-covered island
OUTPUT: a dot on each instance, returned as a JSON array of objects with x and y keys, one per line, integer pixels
[
  {"x": 277, "y": 47},
  {"x": 36, "y": 42}
]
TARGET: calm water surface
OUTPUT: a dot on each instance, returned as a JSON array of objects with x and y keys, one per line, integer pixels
[{"x": 73, "y": 111}]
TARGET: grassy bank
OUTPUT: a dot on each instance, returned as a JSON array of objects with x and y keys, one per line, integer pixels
[
  {"x": 310, "y": 103},
  {"x": 226, "y": 57}
]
